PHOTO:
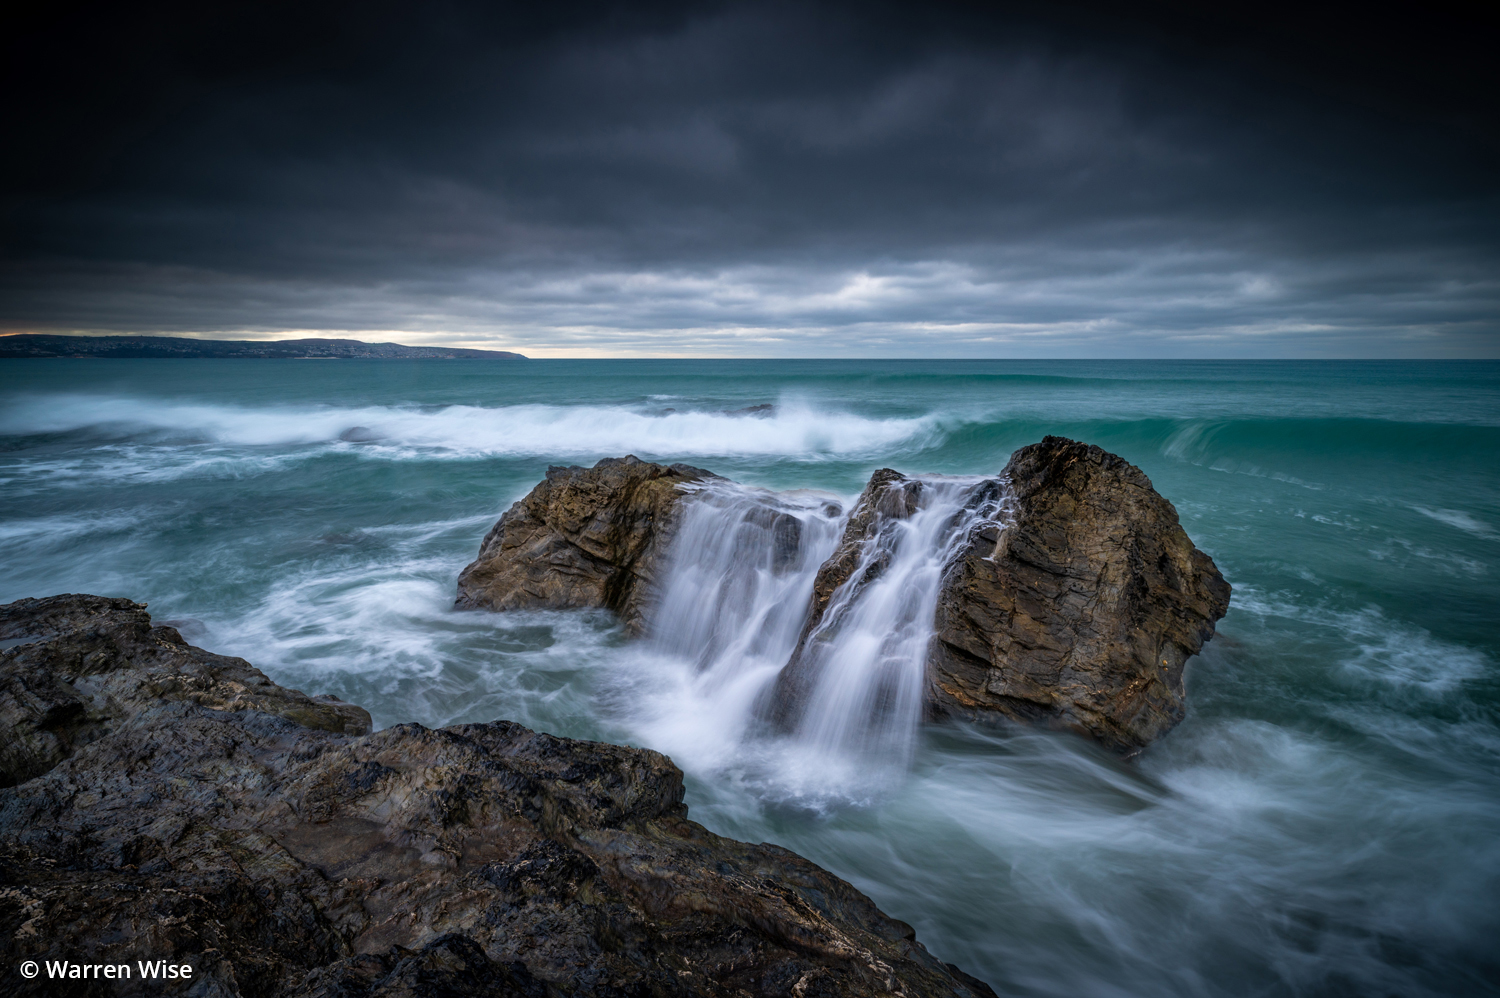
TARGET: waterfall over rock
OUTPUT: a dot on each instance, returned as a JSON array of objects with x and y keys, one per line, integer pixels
[
  {"x": 1062, "y": 592},
  {"x": 857, "y": 677}
]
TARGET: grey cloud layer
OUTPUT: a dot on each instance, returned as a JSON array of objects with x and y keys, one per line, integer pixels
[{"x": 771, "y": 182}]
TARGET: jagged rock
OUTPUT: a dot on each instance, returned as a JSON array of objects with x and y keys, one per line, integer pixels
[
  {"x": 584, "y": 537},
  {"x": 77, "y": 666},
  {"x": 188, "y": 810},
  {"x": 1080, "y": 612}
]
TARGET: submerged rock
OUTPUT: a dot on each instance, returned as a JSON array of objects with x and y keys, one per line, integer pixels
[
  {"x": 584, "y": 537},
  {"x": 171, "y": 804},
  {"x": 761, "y": 411},
  {"x": 1081, "y": 609}
]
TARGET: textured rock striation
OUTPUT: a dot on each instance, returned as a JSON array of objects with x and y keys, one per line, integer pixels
[
  {"x": 583, "y": 538},
  {"x": 170, "y": 804},
  {"x": 1080, "y": 611}
]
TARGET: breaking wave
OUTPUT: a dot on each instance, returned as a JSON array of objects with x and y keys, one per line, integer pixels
[{"x": 792, "y": 430}]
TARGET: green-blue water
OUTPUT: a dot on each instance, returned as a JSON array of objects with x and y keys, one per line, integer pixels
[{"x": 1325, "y": 822}]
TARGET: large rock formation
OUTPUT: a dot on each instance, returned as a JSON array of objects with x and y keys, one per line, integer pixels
[
  {"x": 1073, "y": 603},
  {"x": 173, "y": 805},
  {"x": 584, "y": 537},
  {"x": 1080, "y": 609}
]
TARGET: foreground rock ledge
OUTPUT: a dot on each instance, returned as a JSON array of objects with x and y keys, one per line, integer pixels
[{"x": 170, "y": 804}]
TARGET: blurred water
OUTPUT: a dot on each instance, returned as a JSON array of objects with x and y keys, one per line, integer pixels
[{"x": 1325, "y": 822}]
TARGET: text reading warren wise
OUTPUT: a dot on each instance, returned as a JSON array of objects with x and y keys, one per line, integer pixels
[{"x": 147, "y": 970}]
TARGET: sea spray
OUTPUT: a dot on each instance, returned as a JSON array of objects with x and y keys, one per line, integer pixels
[{"x": 734, "y": 603}]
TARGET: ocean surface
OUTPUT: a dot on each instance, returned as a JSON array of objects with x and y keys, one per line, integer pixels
[{"x": 1326, "y": 821}]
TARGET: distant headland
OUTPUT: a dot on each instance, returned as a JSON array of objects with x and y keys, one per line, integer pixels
[{"x": 45, "y": 345}]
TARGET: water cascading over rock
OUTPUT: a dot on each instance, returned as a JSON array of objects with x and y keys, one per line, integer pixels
[
  {"x": 856, "y": 679},
  {"x": 1062, "y": 592}
]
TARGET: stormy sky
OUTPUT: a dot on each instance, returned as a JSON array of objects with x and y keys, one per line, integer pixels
[{"x": 761, "y": 179}]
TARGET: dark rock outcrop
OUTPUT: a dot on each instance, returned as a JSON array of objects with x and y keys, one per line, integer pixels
[
  {"x": 174, "y": 805},
  {"x": 584, "y": 537},
  {"x": 1073, "y": 603},
  {"x": 77, "y": 667},
  {"x": 1080, "y": 611}
]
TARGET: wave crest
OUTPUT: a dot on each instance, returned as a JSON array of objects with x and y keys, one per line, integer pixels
[{"x": 796, "y": 430}]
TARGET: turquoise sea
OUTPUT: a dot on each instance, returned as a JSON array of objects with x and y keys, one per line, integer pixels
[{"x": 1326, "y": 821}]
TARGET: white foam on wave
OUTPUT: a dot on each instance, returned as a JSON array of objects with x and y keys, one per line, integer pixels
[
  {"x": 1376, "y": 648},
  {"x": 383, "y": 633},
  {"x": 796, "y": 430},
  {"x": 1458, "y": 518},
  {"x": 142, "y": 465}
]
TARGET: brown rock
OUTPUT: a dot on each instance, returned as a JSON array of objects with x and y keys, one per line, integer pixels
[
  {"x": 1080, "y": 612},
  {"x": 218, "y": 829},
  {"x": 584, "y": 537}
]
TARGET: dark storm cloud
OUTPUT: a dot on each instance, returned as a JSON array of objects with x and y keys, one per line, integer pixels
[{"x": 765, "y": 179}]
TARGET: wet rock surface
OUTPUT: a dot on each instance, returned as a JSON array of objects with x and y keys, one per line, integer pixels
[
  {"x": 583, "y": 538},
  {"x": 77, "y": 667},
  {"x": 1081, "y": 610},
  {"x": 170, "y": 804}
]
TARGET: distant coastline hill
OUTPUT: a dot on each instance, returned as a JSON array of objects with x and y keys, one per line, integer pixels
[{"x": 44, "y": 345}]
